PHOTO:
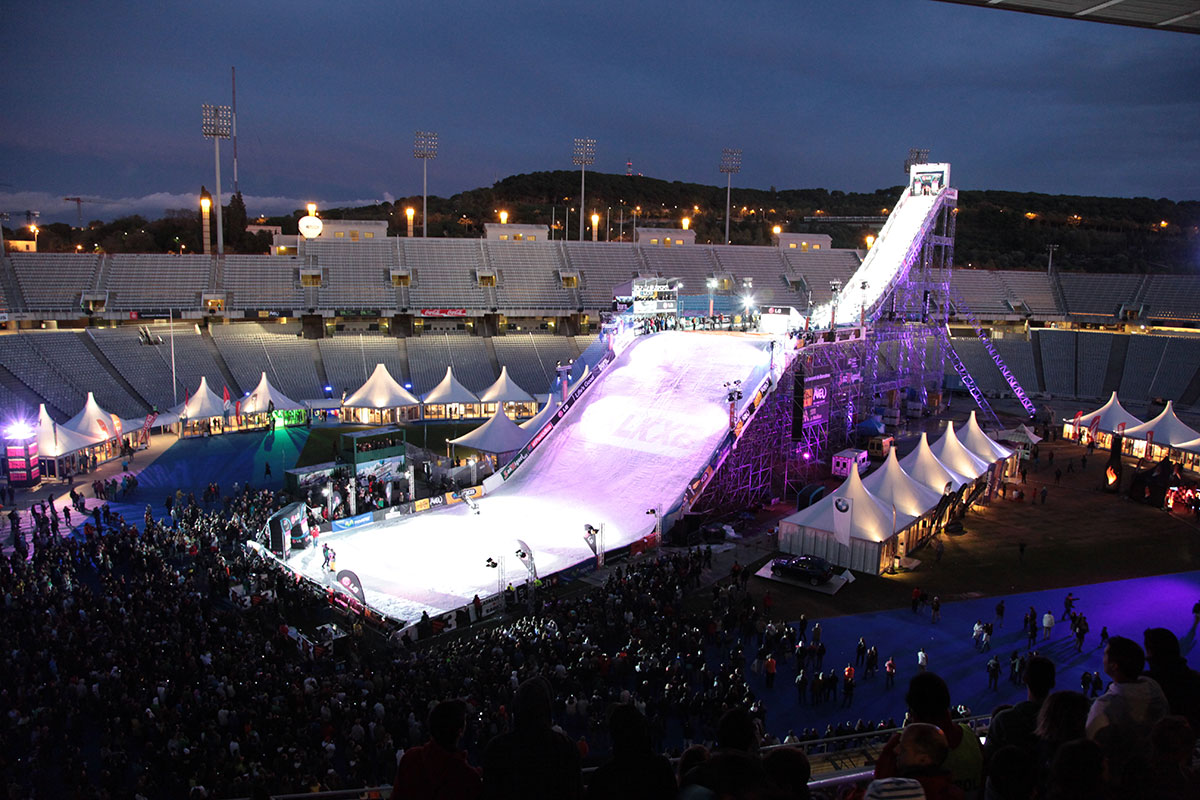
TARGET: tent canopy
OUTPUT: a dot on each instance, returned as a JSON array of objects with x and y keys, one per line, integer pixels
[
  {"x": 498, "y": 435},
  {"x": 895, "y": 487},
  {"x": 264, "y": 395},
  {"x": 505, "y": 390},
  {"x": 56, "y": 440},
  {"x": 202, "y": 404},
  {"x": 925, "y": 467},
  {"x": 869, "y": 519},
  {"x": 954, "y": 454},
  {"x": 982, "y": 445},
  {"x": 450, "y": 391},
  {"x": 1022, "y": 434},
  {"x": 94, "y": 423},
  {"x": 536, "y": 422},
  {"x": 1111, "y": 415},
  {"x": 1167, "y": 429},
  {"x": 380, "y": 391}
]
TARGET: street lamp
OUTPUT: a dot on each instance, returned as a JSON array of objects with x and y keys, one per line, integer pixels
[
  {"x": 687, "y": 223},
  {"x": 425, "y": 147},
  {"x": 595, "y": 225},
  {"x": 503, "y": 217},
  {"x": 583, "y": 156},
  {"x": 870, "y": 241},
  {"x": 216, "y": 123},
  {"x": 410, "y": 212},
  {"x": 731, "y": 162},
  {"x": 35, "y": 230}
]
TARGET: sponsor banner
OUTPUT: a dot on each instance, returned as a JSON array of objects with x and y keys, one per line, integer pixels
[
  {"x": 351, "y": 585},
  {"x": 421, "y": 505},
  {"x": 528, "y": 449},
  {"x": 352, "y": 522},
  {"x": 843, "y": 510},
  {"x": 1078, "y": 417},
  {"x": 654, "y": 306},
  {"x": 384, "y": 469},
  {"x": 492, "y": 604},
  {"x": 443, "y": 313}
]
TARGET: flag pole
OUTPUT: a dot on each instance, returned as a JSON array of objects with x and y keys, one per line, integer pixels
[{"x": 174, "y": 384}]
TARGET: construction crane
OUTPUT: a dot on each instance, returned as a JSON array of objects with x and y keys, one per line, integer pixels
[{"x": 78, "y": 201}]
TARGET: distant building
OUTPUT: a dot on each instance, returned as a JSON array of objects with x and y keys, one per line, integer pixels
[
  {"x": 332, "y": 230},
  {"x": 805, "y": 241},
  {"x": 515, "y": 233},
  {"x": 664, "y": 237},
  {"x": 20, "y": 245}
]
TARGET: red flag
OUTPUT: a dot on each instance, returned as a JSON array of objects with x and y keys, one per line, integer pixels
[
  {"x": 237, "y": 411},
  {"x": 225, "y": 397}
]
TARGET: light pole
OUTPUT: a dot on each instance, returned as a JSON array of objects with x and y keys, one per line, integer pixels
[
  {"x": 34, "y": 229},
  {"x": 835, "y": 288},
  {"x": 216, "y": 122},
  {"x": 503, "y": 217},
  {"x": 425, "y": 147},
  {"x": 410, "y": 212},
  {"x": 731, "y": 162},
  {"x": 595, "y": 226},
  {"x": 583, "y": 157},
  {"x": 712, "y": 285}
]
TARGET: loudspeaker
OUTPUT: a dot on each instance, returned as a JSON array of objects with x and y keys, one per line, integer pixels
[{"x": 798, "y": 403}]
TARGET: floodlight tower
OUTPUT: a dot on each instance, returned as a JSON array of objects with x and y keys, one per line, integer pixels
[
  {"x": 916, "y": 155},
  {"x": 731, "y": 163},
  {"x": 216, "y": 123},
  {"x": 583, "y": 157},
  {"x": 425, "y": 147}
]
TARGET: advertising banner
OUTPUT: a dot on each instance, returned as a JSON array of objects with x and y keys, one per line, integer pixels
[
  {"x": 384, "y": 469},
  {"x": 351, "y": 522},
  {"x": 351, "y": 585},
  {"x": 443, "y": 312}
]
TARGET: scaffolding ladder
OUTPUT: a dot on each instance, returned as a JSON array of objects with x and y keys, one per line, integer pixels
[
  {"x": 1013, "y": 383},
  {"x": 964, "y": 375}
]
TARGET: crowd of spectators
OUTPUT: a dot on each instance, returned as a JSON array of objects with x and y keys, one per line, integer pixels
[{"x": 162, "y": 660}]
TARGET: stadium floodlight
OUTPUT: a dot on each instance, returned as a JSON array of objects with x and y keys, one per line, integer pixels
[
  {"x": 216, "y": 123},
  {"x": 731, "y": 162},
  {"x": 916, "y": 155},
  {"x": 583, "y": 156},
  {"x": 425, "y": 147}
]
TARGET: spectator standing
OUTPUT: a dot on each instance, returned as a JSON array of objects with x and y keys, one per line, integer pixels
[
  {"x": 1121, "y": 719},
  {"x": 532, "y": 760},
  {"x": 1015, "y": 726},
  {"x": 438, "y": 768},
  {"x": 635, "y": 771}
]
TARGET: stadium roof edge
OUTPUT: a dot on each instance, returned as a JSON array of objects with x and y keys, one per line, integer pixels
[{"x": 1180, "y": 16}]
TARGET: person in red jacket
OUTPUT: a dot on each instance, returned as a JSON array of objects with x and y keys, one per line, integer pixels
[{"x": 438, "y": 768}]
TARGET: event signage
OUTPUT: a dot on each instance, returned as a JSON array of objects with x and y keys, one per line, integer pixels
[
  {"x": 443, "y": 312},
  {"x": 351, "y": 585},
  {"x": 310, "y": 227},
  {"x": 352, "y": 522}
]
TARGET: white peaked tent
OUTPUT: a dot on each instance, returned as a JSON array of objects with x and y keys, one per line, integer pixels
[
  {"x": 56, "y": 440},
  {"x": 982, "y": 445},
  {"x": 815, "y": 530},
  {"x": 1022, "y": 434},
  {"x": 264, "y": 395},
  {"x": 498, "y": 435},
  {"x": 94, "y": 423},
  {"x": 1111, "y": 415},
  {"x": 924, "y": 467},
  {"x": 380, "y": 392},
  {"x": 505, "y": 390},
  {"x": 203, "y": 403},
  {"x": 895, "y": 487},
  {"x": 536, "y": 422},
  {"x": 1167, "y": 429},
  {"x": 450, "y": 391},
  {"x": 951, "y": 452}
]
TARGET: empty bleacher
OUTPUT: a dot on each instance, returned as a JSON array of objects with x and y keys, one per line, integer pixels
[
  {"x": 1141, "y": 366},
  {"x": 66, "y": 351},
  {"x": 1058, "y": 361},
  {"x": 443, "y": 273},
  {"x": 1099, "y": 296},
  {"x": 820, "y": 268},
  {"x": 979, "y": 363},
  {"x": 137, "y": 281},
  {"x": 982, "y": 292},
  {"x": 255, "y": 282},
  {"x": 53, "y": 281},
  {"x": 356, "y": 274},
  {"x": 147, "y": 368},
  {"x": 766, "y": 269},
  {"x": 1181, "y": 357},
  {"x": 28, "y": 365},
  {"x": 1173, "y": 298},
  {"x": 1092, "y": 351},
  {"x": 531, "y": 358},
  {"x": 1031, "y": 288},
  {"x": 527, "y": 275},
  {"x": 249, "y": 349},
  {"x": 601, "y": 267}
]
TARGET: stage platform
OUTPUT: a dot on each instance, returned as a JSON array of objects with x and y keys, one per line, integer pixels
[{"x": 831, "y": 588}]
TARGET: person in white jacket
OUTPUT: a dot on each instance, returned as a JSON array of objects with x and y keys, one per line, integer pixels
[{"x": 1121, "y": 719}]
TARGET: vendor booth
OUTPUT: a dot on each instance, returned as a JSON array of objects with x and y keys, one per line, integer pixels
[
  {"x": 266, "y": 406},
  {"x": 381, "y": 400},
  {"x": 62, "y": 451},
  {"x": 203, "y": 413},
  {"x": 895, "y": 488},
  {"x": 1022, "y": 439},
  {"x": 450, "y": 400},
  {"x": 1100, "y": 425},
  {"x": 538, "y": 420},
  {"x": 517, "y": 402},
  {"x": 922, "y": 465},
  {"x": 1160, "y": 437},
  {"x": 496, "y": 437},
  {"x": 951, "y": 452}
]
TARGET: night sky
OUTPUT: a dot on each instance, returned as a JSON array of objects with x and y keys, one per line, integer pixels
[{"x": 103, "y": 100}]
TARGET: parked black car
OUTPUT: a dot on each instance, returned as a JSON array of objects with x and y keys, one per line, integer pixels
[{"x": 806, "y": 568}]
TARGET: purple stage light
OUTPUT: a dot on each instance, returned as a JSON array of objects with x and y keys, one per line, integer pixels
[{"x": 19, "y": 429}]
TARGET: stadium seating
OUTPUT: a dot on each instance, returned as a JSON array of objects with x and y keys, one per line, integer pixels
[
  {"x": 1181, "y": 357},
  {"x": 531, "y": 358},
  {"x": 1031, "y": 288},
  {"x": 27, "y": 364},
  {"x": 1058, "y": 361},
  {"x": 601, "y": 267},
  {"x": 1141, "y": 366},
  {"x": 443, "y": 273},
  {"x": 818, "y": 269},
  {"x": 982, "y": 292},
  {"x": 356, "y": 275},
  {"x": 54, "y": 281},
  {"x": 144, "y": 281},
  {"x": 1173, "y": 298},
  {"x": 147, "y": 368},
  {"x": 249, "y": 349},
  {"x": 1092, "y": 350},
  {"x": 527, "y": 275},
  {"x": 1100, "y": 296},
  {"x": 254, "y": 282},
  {"x": 69, "y": 355}
]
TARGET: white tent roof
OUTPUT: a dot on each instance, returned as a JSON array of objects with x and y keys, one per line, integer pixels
[
  {"x": 94, "y": 423},
  {"x": 982, "y": 445},
  {"x": 1021, "y": 434},
  {"x": 505, "y": 390},
  {"x": 1168, "y": 429},
  {"x": 1192, "y": 447},
  {"x": 869, "y": 518},
  {"x": 954, "y": 454},
  {"x": 202, "y": 404},
  {"x": 925, "y": 467},
  {"x": 57, "y": 440},
  {"x": 536, "y": 422},
  {"x": 259, "y": 400},
  {"x": 380, "y": 391},
  {"x": 1111, "y": 415},
  {"x": 498, "y": 435},
  {"x": 450, "y": 391},
  {"x": 893, "y": 486}
]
